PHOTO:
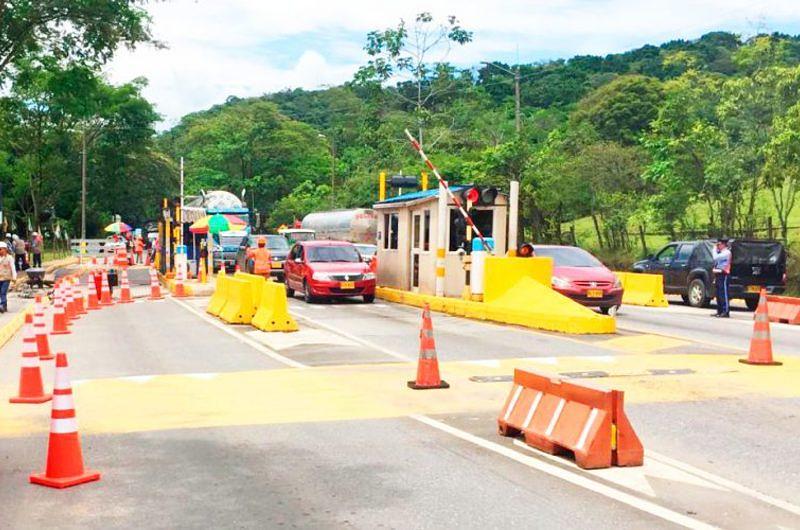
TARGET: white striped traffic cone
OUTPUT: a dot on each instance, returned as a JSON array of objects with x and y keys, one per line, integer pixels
[
  {"x": 64, "y": 457},
  {"x": 40, "y": 329},
  {"x": 31, "y": 389}
]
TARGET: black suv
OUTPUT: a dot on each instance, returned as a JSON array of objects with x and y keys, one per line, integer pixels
[{"x": 686, "y": 267}]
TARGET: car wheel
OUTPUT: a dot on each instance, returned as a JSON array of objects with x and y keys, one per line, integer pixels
[
  {"x": 697, "y": 293},
  {"x": 369, "y": 298},
  {"x": 307, "y": 296},
  {"x": 289, "y": 291},
  {"x": 751, "y": 303}
]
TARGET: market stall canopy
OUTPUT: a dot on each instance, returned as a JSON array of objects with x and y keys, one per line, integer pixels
[
  {"x": 118, "y": 228},
  {"x": 217, "y": 223}
]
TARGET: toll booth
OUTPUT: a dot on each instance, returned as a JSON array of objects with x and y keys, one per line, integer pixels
[{"x": 408, "y": 228}]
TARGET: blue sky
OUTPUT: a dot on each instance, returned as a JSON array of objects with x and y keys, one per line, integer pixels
[{"x": 246, "y": 48}]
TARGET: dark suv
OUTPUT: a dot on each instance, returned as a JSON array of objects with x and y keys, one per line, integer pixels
[{"x": 686, "y": 267}]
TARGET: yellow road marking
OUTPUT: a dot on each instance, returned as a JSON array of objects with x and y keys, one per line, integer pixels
[
  {"x": 379, "y": 391},
  {"x": 647, "y": 343}
]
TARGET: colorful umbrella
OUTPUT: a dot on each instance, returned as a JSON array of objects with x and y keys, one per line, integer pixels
[
  {"x": 217, "y": 223},
  {"x": 118, "y": 228}
]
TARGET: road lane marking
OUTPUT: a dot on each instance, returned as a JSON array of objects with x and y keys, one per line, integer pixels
[
  {"x": 352, "y": 337},
  {"x": 275, "y": 356},
  {"x": 568, "y": 476},
  {"x": 784, "y": 505}
]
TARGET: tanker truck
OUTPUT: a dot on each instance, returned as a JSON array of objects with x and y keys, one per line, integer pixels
[{"x": 356, "y": 226}]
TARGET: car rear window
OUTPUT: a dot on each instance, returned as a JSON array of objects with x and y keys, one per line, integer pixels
[
  {"x": 333, "y": 253},
  {"x": 273, "y": 242},
  {"x": 568, "y": 256},
  {"x": 756, "y": 252}
]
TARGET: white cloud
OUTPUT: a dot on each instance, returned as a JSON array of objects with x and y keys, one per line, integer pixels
[{"x": 250, "y": 47}]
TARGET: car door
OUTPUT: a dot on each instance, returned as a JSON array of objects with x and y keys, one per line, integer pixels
[
  {"x": 291, "y": 267},
  {"x": 662, "y": 261},
  {"x": 678, "y": 271}
]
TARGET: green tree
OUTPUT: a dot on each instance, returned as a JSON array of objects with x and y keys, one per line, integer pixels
[{"x": 782, "y": 170}]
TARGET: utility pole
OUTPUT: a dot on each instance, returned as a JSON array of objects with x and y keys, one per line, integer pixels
[
  {"x": 83, "y": 198},
  {"x": 517, "y": 111}
]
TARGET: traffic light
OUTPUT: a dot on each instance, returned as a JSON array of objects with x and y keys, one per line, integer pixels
[
  {"x": 479, "y": 196},
  {"x": 525, "y": 250}
]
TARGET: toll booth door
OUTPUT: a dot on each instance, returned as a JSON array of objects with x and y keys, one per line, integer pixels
[{"x": 416, "y": 247}]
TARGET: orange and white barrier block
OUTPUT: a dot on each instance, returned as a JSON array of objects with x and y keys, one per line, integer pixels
[
  {"x": 64, "y": 458},
  {"x": 562, "y": 417},
  {"x": 784, "y": 309}
]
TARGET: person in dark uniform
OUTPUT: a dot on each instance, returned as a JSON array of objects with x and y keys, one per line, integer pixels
[{"x": 722, "y": 271}]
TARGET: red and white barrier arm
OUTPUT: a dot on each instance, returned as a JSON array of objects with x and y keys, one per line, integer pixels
[{"x": 455, "y": 199}]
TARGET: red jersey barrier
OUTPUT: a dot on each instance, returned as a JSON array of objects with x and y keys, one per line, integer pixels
[
  {"x": 783, "y": 309},
  {"x": 562, "y": 417}
]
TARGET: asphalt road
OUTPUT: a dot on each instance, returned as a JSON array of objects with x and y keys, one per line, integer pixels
[{"x": 196, "y": 424}]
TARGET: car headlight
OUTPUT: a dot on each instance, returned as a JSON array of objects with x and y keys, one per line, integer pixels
[
  {"x": 321, "y": 276},
  {"x": 369, "y": 275},
  {"x": 617, "y": 283},
  {"x": 560, "y": 283}
]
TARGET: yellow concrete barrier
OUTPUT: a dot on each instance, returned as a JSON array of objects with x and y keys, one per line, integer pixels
[
  {"x": 273, "y": 310},
  {"x": 528, "y": 303},
  {"x": 502, "y": 273},
  {"x": 257, "y": 282},
  {"x": 238, "y": 308},
  {"x": 217, "y": 301},
  {"x": 643, "y": 289}
]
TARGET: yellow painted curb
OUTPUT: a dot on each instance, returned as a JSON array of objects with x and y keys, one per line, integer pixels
[{"x": 10, "y": 328}]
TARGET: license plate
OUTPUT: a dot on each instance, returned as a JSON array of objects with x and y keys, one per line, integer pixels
[
  {"x": 753, "y": 288},
  {"x": 277, "y": 264},
  {"x": 594, "y": 293},
  {"x": 347, "y": 285}
]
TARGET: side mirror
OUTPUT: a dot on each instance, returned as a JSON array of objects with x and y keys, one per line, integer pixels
[{"x": 651, "y": 257}]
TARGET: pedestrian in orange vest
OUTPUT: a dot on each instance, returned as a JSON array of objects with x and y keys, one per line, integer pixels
[
  {"x": 139, "y": 249},
  {"x": 261, "y": 258}
]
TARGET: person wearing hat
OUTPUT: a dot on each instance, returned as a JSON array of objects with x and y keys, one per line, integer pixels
[
  {"x": 722, "y": 271},
  {"x": 261, "y": 258},
  {"x": 8, "y": 273},
  {"x": 36, "y": 248}
]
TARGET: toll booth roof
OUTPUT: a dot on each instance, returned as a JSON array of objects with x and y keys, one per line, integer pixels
[{"x": 418, "y": 195}]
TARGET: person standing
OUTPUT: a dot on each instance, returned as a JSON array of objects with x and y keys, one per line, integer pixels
[
  {"x": 139, "y": 249},
  {"x": 20, "y": 253},
  {"x": 261, "y": 258},
  {"x": 36, "y": 248},
  {"x": 722, "y": 271},
  {"x": 8, "y": 273}
]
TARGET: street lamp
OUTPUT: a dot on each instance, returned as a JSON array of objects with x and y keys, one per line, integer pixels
[
  {"x": 515, "y": 73},
  {"x": 332, "y": 150}
]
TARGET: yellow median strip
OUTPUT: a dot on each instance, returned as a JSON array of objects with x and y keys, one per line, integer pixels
[{"x": 338, "y": 393}]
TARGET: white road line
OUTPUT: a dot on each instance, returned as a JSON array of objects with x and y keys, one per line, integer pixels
[
  {"x": 789, "y": 507},
  {"x": 359, "y": 340},
  {"x": 568, "y": 476},
  {"x": 243, "y": 338}
]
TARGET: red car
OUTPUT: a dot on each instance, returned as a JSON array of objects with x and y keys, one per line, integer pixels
[
  {"x": 328, "y": 269},
  {"x": 582, "y": 277}
]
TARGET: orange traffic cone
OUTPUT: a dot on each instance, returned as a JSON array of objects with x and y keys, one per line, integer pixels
[
  {"x": 40, "y": 331},
  {"x": 155, "y": 287},
  {"x": 93, "y": 303},
  {"x": 761, "y": 343},
  {"x": 60, "y": 320},
  {"x": 64, "y": 458},
  {"x": 105, "y": 292},
  {"x": 80, "y": 306},
  {"x": 146, "y": 259},
  {"x": 125, "y": 289},
  {"x": 179, "y": 292},
  {"x": 31, "y": 389},
  {"x": 69, "y": 300},
  {"x": 428, "y": 365}
]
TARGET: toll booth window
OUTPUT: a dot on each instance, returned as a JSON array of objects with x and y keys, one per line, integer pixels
[
  {"x": 426, "y": 238},
  {"x": 390, "y": 228},
  {"x": 416, "y": 229},
  {"x": 483, "y": 220}
]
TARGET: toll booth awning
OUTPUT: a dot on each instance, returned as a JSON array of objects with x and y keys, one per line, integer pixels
[
  {"x": 416, "y": 196},
  {"x": 193, "y": 213}
]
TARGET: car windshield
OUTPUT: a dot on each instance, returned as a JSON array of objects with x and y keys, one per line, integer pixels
[
  {"x": 343, "y": 253},
  {"x": 273, "y": 242},
  {"x": 568, "y": 256}
]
